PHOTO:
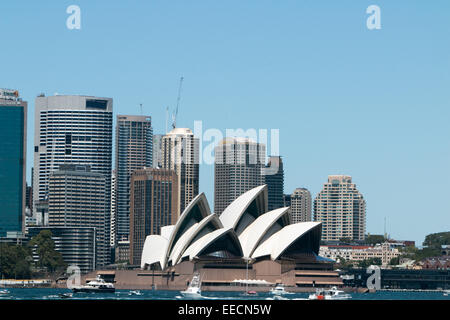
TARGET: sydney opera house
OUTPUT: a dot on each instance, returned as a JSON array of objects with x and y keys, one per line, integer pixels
[{"x": 244, "y": 242}]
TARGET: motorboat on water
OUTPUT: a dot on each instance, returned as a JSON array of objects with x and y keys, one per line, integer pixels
[
  {"x": 98, "y": 285},
  {"x": 279, "y": 290},
  {"x": 194, "y": 290},
  {"x": 4, "y": 292},
  {"x": 65, "y": 295},
  {"x": 329, "y": 294},
  {"x": 447, "y": 292},
  {"x": 135, "y": 293}
]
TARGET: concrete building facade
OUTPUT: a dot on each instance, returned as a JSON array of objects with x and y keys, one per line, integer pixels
[
  {"x": 180, "y": 153},
  {"x": 300, "y": 203},
  {"x": 341, "y": 208},
  {"x": 238, "y": 168}
]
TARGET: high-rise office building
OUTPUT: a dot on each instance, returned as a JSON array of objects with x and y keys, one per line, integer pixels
[
  {"x": 341, "y": 208},
  {"x": 300, "y": 203},
  {"x": 157, "y": 150},
  {"x": 274, "y": 178},
  {"x": 133, "y": 152},
  {"x": 238, "y": 167},
  {"x": 77, "y": 199},
  {"x": 154, "y": 204},
  {"x": 180, "y": 153},
  {"x": 13, "y": 134},
  {"x": 72, "y": 130}
]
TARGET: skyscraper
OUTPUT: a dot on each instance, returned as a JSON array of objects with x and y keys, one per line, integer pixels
[
  {"x": 180, "y": 153},
  {"x": 341, "y": 208},
  {"x": 274, "y": 178},
  {"x": 300, "y": 203},
  {"x": 72, "y": 130},
  {"x": 154, "y": 204},
  {"x": 13, "y": 133},
  {"x": 133, "y": 151},
  {"x": 238, "y": 167},
  {"x": 77, "y": 199}
]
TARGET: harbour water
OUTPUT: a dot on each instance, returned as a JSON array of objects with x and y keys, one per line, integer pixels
[{"x": 54, "y": 294}]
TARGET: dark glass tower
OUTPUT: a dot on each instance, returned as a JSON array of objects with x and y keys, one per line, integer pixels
[
  {"x": 13, "y": 115},
  {"x": 275, "y": 182}
]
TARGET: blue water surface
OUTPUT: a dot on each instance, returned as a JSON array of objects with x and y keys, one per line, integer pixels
[{"x": 54, "y": 294}]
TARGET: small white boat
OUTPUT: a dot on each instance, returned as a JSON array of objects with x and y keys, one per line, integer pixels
[
  {"x": 193, "y": 291},
  {"x": 329, "y": 294},
  {"x": 4, "y": 292},
  {"x": 447, "y": 292},
  {"x": 279, "y": 290},
  {"x": 135, "y": 293},
  {"x": 65, "y": 295},
  {"x": 277, "y": 297}
]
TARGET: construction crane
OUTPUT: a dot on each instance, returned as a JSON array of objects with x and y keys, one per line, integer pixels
[{"x": 174, "y": 116}]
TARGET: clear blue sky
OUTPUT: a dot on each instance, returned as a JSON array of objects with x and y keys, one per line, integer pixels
[{"x": 347, "y": 100}]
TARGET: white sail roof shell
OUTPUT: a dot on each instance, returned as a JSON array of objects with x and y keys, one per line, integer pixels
[
  {"x": 281, "y": 240},
  {"x": 154, "y": 251},
  {"x": 186, "y": 239},
  {"x": 256, "y": 231},
  {"x": 198, "y": 246},
  {"x": 188, "y": 219},
  {"x": 233, "y": 213}
]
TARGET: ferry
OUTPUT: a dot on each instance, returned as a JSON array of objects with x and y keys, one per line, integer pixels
[
  {"x": 329, "y": 294},
  {"x": 98, "y": 285},
  {"x": 193, "y": 291}
]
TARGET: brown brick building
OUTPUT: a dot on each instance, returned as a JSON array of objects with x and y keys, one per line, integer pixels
[{"x": 153, "y": 204}]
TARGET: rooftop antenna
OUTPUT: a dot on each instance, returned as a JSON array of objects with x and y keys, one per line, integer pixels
[
  {"x": 174, "y": 117},
  {"x": 385, "y": 235},
  {"x": 140, "y": 105}
]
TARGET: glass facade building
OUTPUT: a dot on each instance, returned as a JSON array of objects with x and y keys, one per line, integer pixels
[
  {"x": 13, "y": 114},
  {"x": 133, "y": 152},
  {"x": 76, "y": 130}
]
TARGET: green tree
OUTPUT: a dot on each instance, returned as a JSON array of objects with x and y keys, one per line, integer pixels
[
  {"x": 369, "y": 262},
  {"x": 436, "y": 240},
  {"x": 15, "y": 261},
  {"x": 49, "y": 258},
  {"x": 394, "y": 261},
  {"x": 344, "y": 264}
]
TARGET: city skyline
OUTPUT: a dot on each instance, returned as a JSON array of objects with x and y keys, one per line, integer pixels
[{"x": 351, "y": 84}]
